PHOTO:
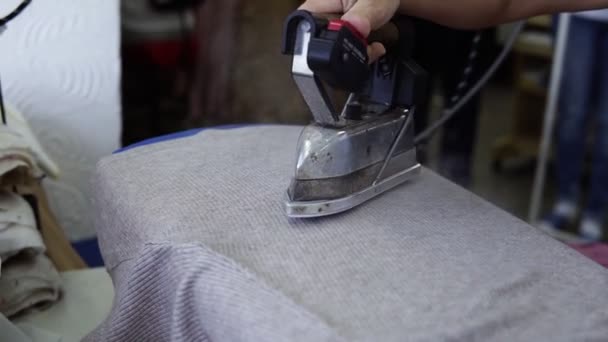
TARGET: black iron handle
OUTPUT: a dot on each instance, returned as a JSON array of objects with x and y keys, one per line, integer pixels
[{"x": 337, "y": 54}]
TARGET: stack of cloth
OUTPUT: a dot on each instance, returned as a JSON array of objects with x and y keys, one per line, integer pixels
[{"x": 28, "y": 279}]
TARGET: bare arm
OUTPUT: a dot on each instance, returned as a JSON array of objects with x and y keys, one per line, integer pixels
[
  {"x": 367, "y": 15},
  {"x": 469, "y": 14}
]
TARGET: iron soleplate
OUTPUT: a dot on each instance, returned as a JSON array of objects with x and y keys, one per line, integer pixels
[{"x": 312, "y": 209}]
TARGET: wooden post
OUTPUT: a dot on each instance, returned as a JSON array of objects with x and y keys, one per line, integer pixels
[{"x": 216, "y": 27}]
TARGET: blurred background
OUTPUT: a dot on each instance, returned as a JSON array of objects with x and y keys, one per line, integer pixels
[{"x": 218, "y": 62}]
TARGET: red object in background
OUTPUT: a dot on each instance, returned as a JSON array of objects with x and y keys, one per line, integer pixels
[
  {"x": 163, "y": 53},
  {"x": 597, "y": 252}
]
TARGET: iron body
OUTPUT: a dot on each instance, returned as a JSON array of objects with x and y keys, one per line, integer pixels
[{"x": 345, "y": 158}]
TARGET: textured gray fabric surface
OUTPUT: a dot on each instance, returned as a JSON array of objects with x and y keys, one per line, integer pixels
[{"x": 195, "y": 238}]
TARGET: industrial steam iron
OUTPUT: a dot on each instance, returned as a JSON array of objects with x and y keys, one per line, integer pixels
[{"x": 347, "y": 157}]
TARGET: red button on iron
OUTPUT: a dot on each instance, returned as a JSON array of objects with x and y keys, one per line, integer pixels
[{"x": 337, "y": 24}]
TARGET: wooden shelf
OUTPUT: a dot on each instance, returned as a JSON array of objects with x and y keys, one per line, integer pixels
[
  {"x": 536, "y": 50},
  {"x": 542, "y": 22},
  {"x": 533, "y": 53},
  {"x": 511, "y": 150},
  {"x": 530, "y": 87}
]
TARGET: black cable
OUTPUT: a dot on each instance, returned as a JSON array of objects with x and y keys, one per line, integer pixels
[
  {"x": 468, "y": 70},
  {"x": 3, "y": 21},
  {"x": 449, "y": 113},
  {"x": 15, "y": 12},
  {"x": 2, "y": 110}
]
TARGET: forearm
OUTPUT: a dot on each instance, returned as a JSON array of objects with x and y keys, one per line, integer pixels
[{"x": 469, "y": 14}]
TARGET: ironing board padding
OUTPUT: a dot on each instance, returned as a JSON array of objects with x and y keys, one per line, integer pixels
[{"x": 195, "y": 238}]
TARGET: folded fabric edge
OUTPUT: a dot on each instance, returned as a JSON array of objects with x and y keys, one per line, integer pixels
[
  {"x": 208, "y": 295},
  {"x": 30, "y": 282}
]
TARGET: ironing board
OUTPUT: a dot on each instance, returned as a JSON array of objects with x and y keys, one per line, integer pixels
[{"x": 193, "y": 234}]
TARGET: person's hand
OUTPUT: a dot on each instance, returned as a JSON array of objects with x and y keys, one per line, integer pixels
[{"x": 364, "y": 15}]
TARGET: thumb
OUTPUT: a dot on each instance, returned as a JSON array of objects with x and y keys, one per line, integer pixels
[{"x": 368, "y": 15}]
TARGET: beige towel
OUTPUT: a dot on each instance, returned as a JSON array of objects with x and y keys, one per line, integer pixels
[
  {"x": 27, "y": 277},
  {"x": 22, "y": 158},
  {"x": 58, "y": 248},
  {"x": 18, "y": 229},
  {"x": 29, "y": 281},
  {"x": 17, "y": 163}
]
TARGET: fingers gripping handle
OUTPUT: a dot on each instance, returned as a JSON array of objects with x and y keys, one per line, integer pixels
[{"x": 336, "y": 53}]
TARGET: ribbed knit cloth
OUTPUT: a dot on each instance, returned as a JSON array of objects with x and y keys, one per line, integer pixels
[{"x": 194, "y": 235}]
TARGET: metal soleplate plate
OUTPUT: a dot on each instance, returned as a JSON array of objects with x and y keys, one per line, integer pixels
[{"x": 313, "y": 209}]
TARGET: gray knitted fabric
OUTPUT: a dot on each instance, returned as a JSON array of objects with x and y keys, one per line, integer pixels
[{"x": 195, "y": 238}]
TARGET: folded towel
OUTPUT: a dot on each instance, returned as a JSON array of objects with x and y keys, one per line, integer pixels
[
  {"x": 18, "y": 165},
  {"x": 29, "y": 281},
  {"x": 20, "y": 150},
  {"x": 18, "y": 230}
]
